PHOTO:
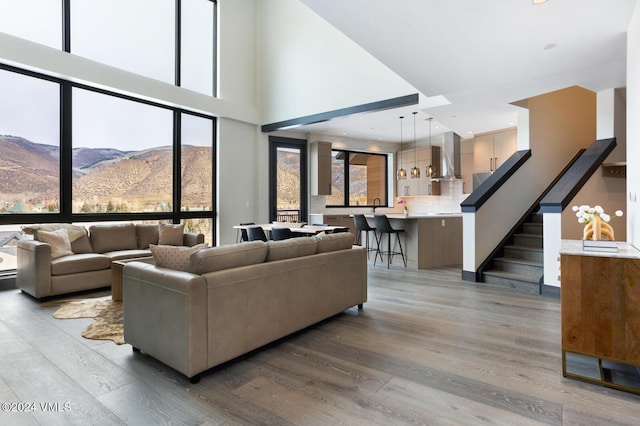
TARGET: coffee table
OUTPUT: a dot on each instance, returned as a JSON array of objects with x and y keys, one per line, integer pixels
[{"x": 117, "y": 268}]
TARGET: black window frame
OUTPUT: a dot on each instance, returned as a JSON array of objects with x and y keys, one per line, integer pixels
[
  {"x": 66, "y": 40},
  {"x": 66, "y": 215},
  {"x": 276, "y": 142},
  {"x": 347, "y": 154}
]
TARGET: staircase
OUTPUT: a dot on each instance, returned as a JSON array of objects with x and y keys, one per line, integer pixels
[{"x": 521, "y": 265}]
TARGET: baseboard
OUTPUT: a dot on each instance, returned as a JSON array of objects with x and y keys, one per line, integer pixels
[
  {"x": 469, "y": 276},
  {"x": 8, "y": 282},
  {"x": 550, "y": 291}
]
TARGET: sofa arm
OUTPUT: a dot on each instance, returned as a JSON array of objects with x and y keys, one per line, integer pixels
[
  {"x": 33, "y": 271},
  {"x": 165, "y": 315},
  {"x": 190, "y": 239}
]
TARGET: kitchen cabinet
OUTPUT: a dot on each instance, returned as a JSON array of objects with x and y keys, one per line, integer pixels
[
  {"x": 320, "y": 153},
  {"x": 420, "y": 157},
  {"x": 490, "y": 150},
  {"x": 429, "y": 241},
  {"x": 343, "y": 220}
]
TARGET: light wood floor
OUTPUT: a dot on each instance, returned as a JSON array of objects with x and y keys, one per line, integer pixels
[{"x": 427, "y": 349}]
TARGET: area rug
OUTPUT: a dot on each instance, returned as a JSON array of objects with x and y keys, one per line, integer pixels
[{"x": 108, "y": 324}]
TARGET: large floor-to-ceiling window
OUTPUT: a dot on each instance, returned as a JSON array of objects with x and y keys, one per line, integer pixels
[{"x": 71, "y": 152}]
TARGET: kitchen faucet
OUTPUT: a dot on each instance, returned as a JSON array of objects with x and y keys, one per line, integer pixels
[{"x": 374, "y": 203}]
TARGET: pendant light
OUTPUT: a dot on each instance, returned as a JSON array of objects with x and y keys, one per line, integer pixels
[
  {"x": 402, "y": 173},
  {"x": 430, "y": 167},
  {"x": 415, "y": 172}
]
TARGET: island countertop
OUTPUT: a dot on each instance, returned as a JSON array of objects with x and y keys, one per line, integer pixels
[{"x": 417, "y": 215}]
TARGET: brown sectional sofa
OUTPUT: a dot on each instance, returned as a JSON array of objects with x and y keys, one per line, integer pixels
[
  {"x": 236, "y": 298},
  {"x": 89, "y": 265}
]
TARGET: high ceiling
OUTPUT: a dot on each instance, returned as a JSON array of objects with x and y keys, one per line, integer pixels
[{"x": 480, "y": 56}]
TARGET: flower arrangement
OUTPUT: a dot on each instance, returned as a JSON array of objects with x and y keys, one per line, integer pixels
[
  {"x": 596, "y": 222},
  {"x": 404, "y": 204}
]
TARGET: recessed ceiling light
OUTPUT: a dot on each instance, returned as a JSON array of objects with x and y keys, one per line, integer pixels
[{"x": 539, "y": 1}]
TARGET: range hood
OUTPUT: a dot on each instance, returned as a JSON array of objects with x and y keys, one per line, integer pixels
[{"x": 445, "y": 158}]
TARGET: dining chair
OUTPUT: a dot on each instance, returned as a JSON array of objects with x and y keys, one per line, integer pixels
[
  {"x": 384, "y": 227},
  {"x": 243, "y": 233},
  {"x": 278, "y": 234},
  {"x": 256, "y": 233}
]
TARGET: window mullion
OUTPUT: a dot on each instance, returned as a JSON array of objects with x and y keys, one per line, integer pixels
[
  {"x": 178, "y": 42},
  {"x": 66, "y": 25},
  {"x": 66, "y": 152}
]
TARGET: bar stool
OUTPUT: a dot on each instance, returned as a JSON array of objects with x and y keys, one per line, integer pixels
[
  {"x": 363, "y": 226},
  {"x": 384, "y": 227}
]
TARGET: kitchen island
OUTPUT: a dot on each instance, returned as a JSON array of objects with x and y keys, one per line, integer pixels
[{"x": 430, "y": 240}]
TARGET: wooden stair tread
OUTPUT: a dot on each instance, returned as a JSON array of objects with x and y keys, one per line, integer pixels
[
  {"x": 520, "y": 261},
  {"x": 524, "y": 248},
  {"x": 511, "y": 276}
]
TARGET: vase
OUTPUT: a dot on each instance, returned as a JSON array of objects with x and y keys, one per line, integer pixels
[
  {"x": 597, "y": 230},
  {"x": 406, "y": 211}
]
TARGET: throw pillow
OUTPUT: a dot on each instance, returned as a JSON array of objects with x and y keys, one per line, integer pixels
[
  {"x": 173, "y": 257},
  {"x": 59, "y": 242},
  {"x": 170, "y": 234}
]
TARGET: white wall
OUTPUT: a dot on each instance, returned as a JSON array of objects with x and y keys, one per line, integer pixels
[
  {"x": 608, "y": 192},
  {"x": 242, "y": 153},
  {"x": 633, "y": 129},
  {"x": 239, "y": 167},
  {"x": 238, "y": 54},
  {"x": 309, "y": 67}
]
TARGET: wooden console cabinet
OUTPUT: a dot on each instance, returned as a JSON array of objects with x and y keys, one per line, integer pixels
[{"x": 601, "y": 312}]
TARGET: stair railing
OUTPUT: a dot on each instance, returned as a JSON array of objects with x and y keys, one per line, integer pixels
[{"x": 498, "y": 251}]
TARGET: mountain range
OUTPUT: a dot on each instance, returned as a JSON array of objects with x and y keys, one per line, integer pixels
[{"x": 29, "y": 174}]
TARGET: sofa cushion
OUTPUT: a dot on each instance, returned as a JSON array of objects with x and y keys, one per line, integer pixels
[
  {"x": 173, "y": 257},
  {"x": 82, "y": 244},
  {"x": 59, "y": 242},
  {"x": 170, "y": 234},
  {"x": 333, "y": 242},
  {"x": 127, "y": 254},
  {"x": 113, "y": 237},
  {"x": 292, "y": 247},
  {"x": 229, "y": 256},
  {"x": 146, "y": 234},
  {"x": 78, "y": 263}
]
